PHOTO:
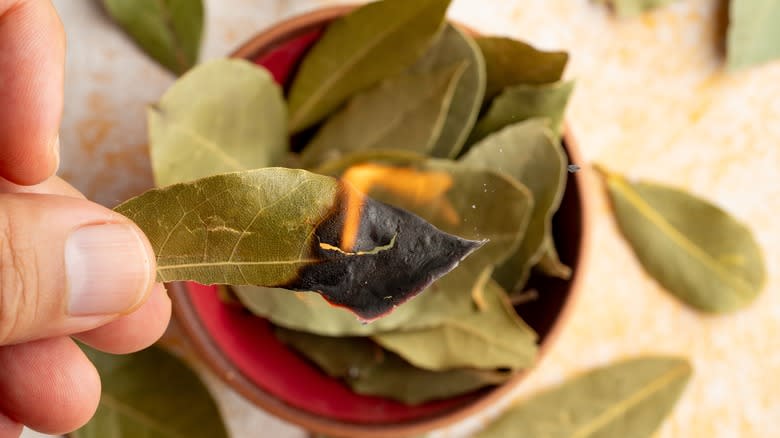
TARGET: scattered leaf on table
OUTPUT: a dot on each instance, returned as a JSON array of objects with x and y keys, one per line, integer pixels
[
  {"x": 753, "y": 33},
  {"x": 167, "y": 30},
  {"x": 280, "y": 227},
  {"x": 376, "y": 41},
  {"x": 223, "y": 116},
  {"x": 485, "y": 339},
  {"x": 151, "y": 394},
  {"x": 451, "y": 47},
  {"x": 530, "y": 153},
  {"x": 522, "y": 102},
  {"x": 630, "y": 398},
  {"x": 632, "y": 8},
  {"x": 369, "y": 370},
  {"x": 510, "y": 62},
  {"x": 691, "y": 247},
  {"x": 405, "y": 112}
]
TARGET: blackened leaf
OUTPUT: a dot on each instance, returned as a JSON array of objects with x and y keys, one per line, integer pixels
[
  {"x": 753, "y": 33},
  {"x": 510, "y": 62},
  {"x": 280, "y": 227},
  {"x": 694, "y": 249},
  {"x": 522, "y": 102},
  {"x": 369, "y": 370},
  {"x": 167, "y": 30},
  {"x": 530, "y": 153},
  {"x": 454, "y": 46},
  {"x": 632, "y": 8},
  {"x": 488, "y": 338},
  {"x": 627, "y": 399},
  {"x": 151, "y": 394},
  {"x": 405, "y": 112},
  {"x": 376, "y": 41},
  {"x": 206, "y": 124}
]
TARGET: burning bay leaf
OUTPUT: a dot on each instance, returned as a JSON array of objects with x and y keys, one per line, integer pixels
[
  {"x": 150, "y": 393},
  {"x": 695, "y": 250},
  {"x": 280, "y": 227},
  {"x": 753, "y": 33},
  {"x": 489, "y": 338},
  {"x": 405, "y": 112},
  {"x": 631, "y": 8},
  {"x": 530, "y": 153},
  {"x": 376, "y": 41},
  {"x": 522, "y": 102},
  {"x": 510, "y": 62},
  {"x": 451, "y": 47},
  {"x": 630, "y": 398},
  {"x": 169, "y": 31},
  {"x": 369, "y": 370},
  {"x": 223, "y": 116}
]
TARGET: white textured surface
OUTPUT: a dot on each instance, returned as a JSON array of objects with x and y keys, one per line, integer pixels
[{"x": 652, "y": 101}]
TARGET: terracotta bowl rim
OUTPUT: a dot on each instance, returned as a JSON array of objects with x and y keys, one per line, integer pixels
[{"x": 203, "y": 344}]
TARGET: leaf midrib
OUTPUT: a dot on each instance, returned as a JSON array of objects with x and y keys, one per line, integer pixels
[{"x": 117, "y": 405}]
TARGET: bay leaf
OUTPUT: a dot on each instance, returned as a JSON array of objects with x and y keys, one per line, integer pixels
[
  {"x": 369, "y": 370},
  {"x": 629, "y": 398},
  {"x": 169, "y": 31},
  {"x": 489, "y": 338},
  {"x": 752, "y": 33},
  {"x": 522, "y": 102},
  {"x": 376, "y": 41},
  {"x": 451, "y": 47},
  {"x": 405, "y": 112},
  {"x": 279, "y": 227},
  {"x": 694, "y": 249},
  {"x": 384, "y": 157},
  {"x": 206, "y": 124},
  {"x": 632, "y": 8},
  {"x": 151, "y": 394},
  {"x": 510, "y": 62},
  {"x": 550, "y": 264},
  {"x": 530, "y": 153}
]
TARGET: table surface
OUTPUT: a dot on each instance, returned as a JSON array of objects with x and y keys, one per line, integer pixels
[{"x": 652, "y": 100}]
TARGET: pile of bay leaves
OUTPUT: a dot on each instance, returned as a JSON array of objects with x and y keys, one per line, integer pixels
[{"x": 463, "y": 131}]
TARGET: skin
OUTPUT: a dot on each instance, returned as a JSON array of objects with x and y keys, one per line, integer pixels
[{"x": 46, "y": 382}]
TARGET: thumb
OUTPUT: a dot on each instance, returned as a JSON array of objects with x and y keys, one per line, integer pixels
[{"x": 67, "y": 265}]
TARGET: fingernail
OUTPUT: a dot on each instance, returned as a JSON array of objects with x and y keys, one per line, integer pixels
[
  {"x": 55, "y": 152},
  {"x": 108, "y": 269}
]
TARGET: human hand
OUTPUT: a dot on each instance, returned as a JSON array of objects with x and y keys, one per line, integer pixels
[{"x": 67, "y": 266}]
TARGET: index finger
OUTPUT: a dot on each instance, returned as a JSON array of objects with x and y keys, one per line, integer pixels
[{"x": 32, "y": 60}]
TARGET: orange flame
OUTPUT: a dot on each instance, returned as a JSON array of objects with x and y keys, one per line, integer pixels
[{"x": 417, "y": 186}]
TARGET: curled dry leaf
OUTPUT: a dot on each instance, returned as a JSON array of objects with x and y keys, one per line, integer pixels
[
  {"x": 150, "y": 393},
  {"x": 169, "y": 31},
  {"x": 278, "y": 227},
  {"x": 374, "y": 42},
  {"x": 369, "y": 370},
  {"x": 223, "y": 116},
  {"x": 694, "y": 249},
  {"x": 627, "y": 399}
]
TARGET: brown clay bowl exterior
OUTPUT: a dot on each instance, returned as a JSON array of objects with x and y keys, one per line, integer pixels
[{"x": 572, "y": 221}]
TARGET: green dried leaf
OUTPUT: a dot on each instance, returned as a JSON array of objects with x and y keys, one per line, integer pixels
[
  {"x": 522, "y": 102},
  {"x": 405, "y": 112},
  {"x": 530, "y": 153},
  {"x": 454, "y": 46},
  {"x": 627, "y": 399},
  {"x": 486, "y": 205},
  {"x": 206, "y": 124},
  {"x": 376, "y": 41},
  {"x": 695, "y": 250},
  {"x": 753, "y": 33},
  {"x": 489, "y": 338},
  {"x": 510, "y": 62},
  {"x": 550, "y": 264},
  {"x": 632, "y": 8},
  {"x": 151, "y": 394},
  {"x": 369, "y": 370},
  {"x": 167, "y": 30},
  {"x": 280, "y": 227}
]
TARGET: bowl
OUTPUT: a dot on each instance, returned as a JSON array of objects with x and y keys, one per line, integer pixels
[{"x": 242, "y": 350}]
